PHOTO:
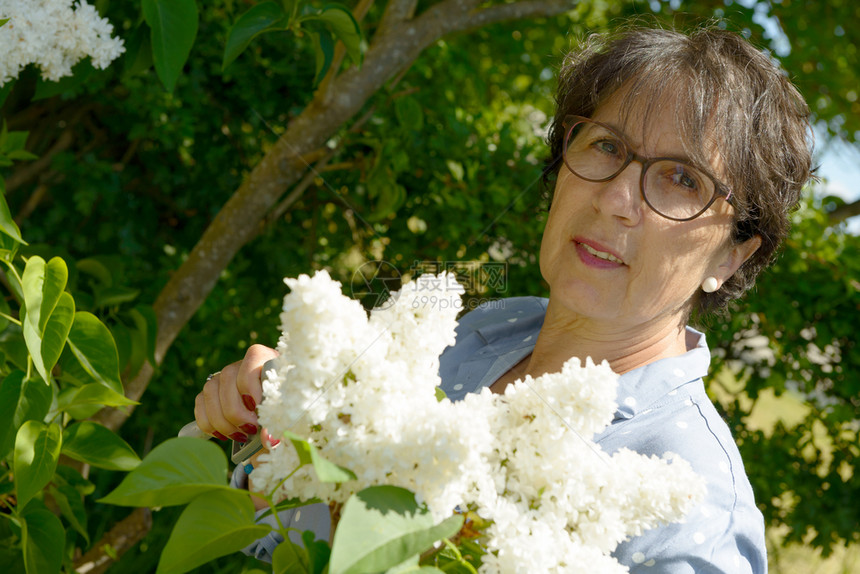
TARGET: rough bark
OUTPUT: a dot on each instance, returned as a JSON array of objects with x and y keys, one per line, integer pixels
[
  {"x": 393, "y": 49},
  {"x": 120, "y": 539}
]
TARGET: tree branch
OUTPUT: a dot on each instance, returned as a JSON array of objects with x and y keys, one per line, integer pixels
[
  {"x": 518, "y": 11},
  {"x": 845, "y": 211},
  {"x": 115, "y": 543},
  {"x": 359, "y": 12},
  {"x": 396, "y": 12},
  {"x": 238, "y": 221},
  {"x": 37, "y": 167}
]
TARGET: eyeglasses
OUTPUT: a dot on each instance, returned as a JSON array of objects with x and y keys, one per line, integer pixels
[{"x": 672, "y": 188}]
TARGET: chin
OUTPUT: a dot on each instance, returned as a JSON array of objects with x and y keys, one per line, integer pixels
[{"x": 583, "y": 300}]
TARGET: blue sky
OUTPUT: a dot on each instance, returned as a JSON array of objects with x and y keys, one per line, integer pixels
[{"x": 840, "y": 169}]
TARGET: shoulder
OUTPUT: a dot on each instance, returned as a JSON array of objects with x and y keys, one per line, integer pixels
[
  {"x": 491, "y": 321},
  {"x": 486, "y": 332},
  {"x": 726, "y": 532},
  {"x": 489, "y": 314}
]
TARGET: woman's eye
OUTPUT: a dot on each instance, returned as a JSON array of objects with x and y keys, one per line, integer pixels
[
  {"x": 607, "y": 146},
  {"x": 685, "y": 179}
]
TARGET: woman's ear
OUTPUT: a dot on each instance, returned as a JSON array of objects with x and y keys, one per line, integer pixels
[{"x": 737, "y": 255}]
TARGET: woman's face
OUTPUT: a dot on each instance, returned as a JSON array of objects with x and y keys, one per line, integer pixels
[{"x": 607, "y": 256}]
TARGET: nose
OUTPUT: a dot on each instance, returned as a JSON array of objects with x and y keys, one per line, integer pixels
[{"x": 621, "y": 196}]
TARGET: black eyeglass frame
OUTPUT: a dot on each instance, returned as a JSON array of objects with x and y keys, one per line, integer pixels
[{"x": 570, "y": 122}]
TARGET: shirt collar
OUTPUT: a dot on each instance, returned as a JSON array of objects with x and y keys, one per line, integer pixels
[
  {"x": 640, "y": 388},
  {"x": 507, "y": 345}
]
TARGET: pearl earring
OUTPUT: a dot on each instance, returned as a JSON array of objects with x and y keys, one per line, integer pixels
[{"x": 710, "y": 285}]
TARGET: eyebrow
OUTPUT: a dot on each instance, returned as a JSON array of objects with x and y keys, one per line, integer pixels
[{"x": 681, "y": 157}]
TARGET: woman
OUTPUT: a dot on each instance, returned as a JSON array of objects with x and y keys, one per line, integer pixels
[{"x": 675, "y": 162}]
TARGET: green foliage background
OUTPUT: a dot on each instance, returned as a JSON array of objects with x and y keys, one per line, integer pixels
[{"x": 446, "y": 168}]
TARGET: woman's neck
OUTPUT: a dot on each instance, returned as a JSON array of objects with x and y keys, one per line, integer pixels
[{"x": 625, "y": 347}]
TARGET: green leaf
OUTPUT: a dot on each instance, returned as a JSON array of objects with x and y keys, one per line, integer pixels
[
  {"x": 46, "y": 350},
  {"x": 8, "y": 246},
  {"x": 43, "y": 283},
  {"x": 381, "y": 527},
  {"x": 326, "y": 471},
  {"x": 138, "y": 53},
  {"x": 409, "y": 113},
  {"x": 214, "y": 524},
  {"x": 289, "y": 558},
  {"x": 122, "y": 339},
  {"x": 175, "y": 472},
  {"x": 43, "y": 540},
  {"x": 303, "y": 447},
  {"x": 146, "y": 322},
  {"x": 97, "y": 269},
  {"x": 7, "y": 225},
  {"x": 71, "y": 505},
  {"x": 37, "y": 449},
  {"x": 440, "y": 394},
  {"x": 3, "y": 21},
  {"x": 67, "y": 475},
  {"x": 20, "y": 401},
  {"x": 21, "y": 154},
  {"x": 324, "y": 50},
  {"x": 344, "y": 27},
  {"x": 15, "y": 141},
  {"x": 112, "y": 296},
  {"x": 174, "y": 27},
  {"x": 12, "y": 558},
  {"x": 92, "y": 345},
  {"x": 10, "y": 393},
  {"x": 137, "y": 355},
  {"x": 261, "y": 18},
  {"x": 5, "y": 310},
  {"x": 34, "y": 345},
  {"x": 97, "y": 445},
  {"x": 34, "y": 401},
  {"x": 383, "y": 186},
  {"x": 90, "y": 395},
  {"x": 57, "y": 330},
  {"x": 318, "y": 552},
  {"x": 13, "y": 346},
  {"x": 4, "y": 93}
]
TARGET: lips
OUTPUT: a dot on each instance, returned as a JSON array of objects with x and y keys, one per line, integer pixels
[{"x": 596, "y": 251}]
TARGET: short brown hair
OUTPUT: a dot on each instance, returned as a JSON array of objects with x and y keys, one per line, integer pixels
[{"x": 732, "y": 99}]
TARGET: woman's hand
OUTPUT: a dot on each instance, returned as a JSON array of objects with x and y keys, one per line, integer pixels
[{"x": 226, "y": 408}]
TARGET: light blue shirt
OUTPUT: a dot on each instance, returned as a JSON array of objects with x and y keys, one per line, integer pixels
[{"x": 661, "y": 407}]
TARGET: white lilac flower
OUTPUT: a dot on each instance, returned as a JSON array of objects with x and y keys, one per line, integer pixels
[
  {"x": 362, "y": 390},
  {"x": 54, "y": 35}
]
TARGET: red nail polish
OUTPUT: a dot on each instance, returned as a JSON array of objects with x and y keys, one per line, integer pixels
[
  {"x": 249, "y": 402},
  {"x": 249, "y": 428},
  {"x": 268, "y": 438},
  {"x": 219, "y": 436},
  {"x": 239, "y": 437}
]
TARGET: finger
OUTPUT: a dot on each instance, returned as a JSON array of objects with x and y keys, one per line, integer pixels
[
  {"x": 214, "y": 406},
  {"x": 267, "y": 440},
  {"x": 248, "y": 382},
  {"x": 202, "y": 416},
  {"x": 232, "y": 407}
]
